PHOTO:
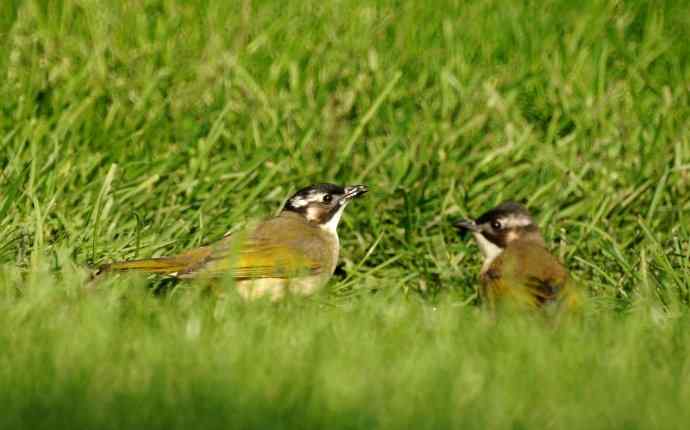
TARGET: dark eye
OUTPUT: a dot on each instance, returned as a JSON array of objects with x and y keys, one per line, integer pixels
[
  {"x": 327, "y": 198},
  {"x": 496, "y": 225}
]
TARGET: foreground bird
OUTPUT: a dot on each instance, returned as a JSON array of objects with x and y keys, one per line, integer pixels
[
  {"x": 295, "y": 252},
  {"x": 518, "y": 269}
]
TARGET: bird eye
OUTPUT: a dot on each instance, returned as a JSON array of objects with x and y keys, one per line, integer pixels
[
  {"x": 496, "y": 225},
  {"x": 327, "y": 198}
]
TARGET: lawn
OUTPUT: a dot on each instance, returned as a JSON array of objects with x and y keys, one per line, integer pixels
[{"x": 142, "y": 128}]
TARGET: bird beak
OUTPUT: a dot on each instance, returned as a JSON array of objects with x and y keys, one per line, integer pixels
[
  {"x": 354, "y": 191},
  {"x": 466, "y": 225}
]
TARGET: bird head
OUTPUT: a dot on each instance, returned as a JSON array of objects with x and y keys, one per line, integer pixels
[
  {"x": 323, "y": 204},
  {"x": 495, "y": 229}
]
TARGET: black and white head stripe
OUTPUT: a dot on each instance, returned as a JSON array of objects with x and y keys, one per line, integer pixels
[
  {"x": 507, "y": 222},
  {"x": 323, "y": 204},
  {"x": 504, "y": 224},
  {"x": 512, "y": 214},
  {"x": 318, "y": 193}
]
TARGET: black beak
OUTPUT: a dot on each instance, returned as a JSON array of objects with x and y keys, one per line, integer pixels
[
  {"x": 466, "y": 225},
  {"x": 354, "y": 191}
]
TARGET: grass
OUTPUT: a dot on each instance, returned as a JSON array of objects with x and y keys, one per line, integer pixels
[{"x": 132, "y": 129}]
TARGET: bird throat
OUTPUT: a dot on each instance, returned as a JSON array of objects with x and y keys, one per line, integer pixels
[
  {"x": 488, "y": 249},
  {"x": 331, "y": 226}
]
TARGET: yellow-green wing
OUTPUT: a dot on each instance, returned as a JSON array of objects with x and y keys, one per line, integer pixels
[
  {"x": 528, "y": 274},
  {"x": 257, "y": 260},
  {"x": 282, "y": 247},
  {"x": 279, "y": 248}
]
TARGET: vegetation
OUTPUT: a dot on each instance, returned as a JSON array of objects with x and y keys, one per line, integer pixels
[{"x": 140, "y": 128}]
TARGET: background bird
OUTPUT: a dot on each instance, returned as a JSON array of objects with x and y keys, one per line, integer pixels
[
  {"x": 518, "y": 268},
  {"x": 294, "y": 252}
]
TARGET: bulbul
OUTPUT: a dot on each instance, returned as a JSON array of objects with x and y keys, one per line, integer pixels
[
  {"x": 294, "y": 252},
  {"x": 518, "y": 268}
]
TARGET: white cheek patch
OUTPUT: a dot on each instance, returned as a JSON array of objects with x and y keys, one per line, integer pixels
[
  {"x": 489, "y": 250},
  {"x": 516, "y": 221},
  {"x": 302, "y": 201},
  {"x": 299, "y": 202},
  {"x": 313, "y": 213}
]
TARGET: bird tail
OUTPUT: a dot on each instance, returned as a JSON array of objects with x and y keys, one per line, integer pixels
[
  {"x": 163, "y": 265},
  {"x": 180, "y": 264}
]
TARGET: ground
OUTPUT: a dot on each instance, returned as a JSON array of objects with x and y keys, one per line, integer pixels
[{"x": 141, "y": 128}]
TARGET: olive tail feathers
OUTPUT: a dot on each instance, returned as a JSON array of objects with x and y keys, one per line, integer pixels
[{"x": 149, "y": 265}]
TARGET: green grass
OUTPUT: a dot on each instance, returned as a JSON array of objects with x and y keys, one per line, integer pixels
[{"x": 140, "y": 128}]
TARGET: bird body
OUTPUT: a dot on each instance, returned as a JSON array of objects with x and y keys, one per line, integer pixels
[
  {"x": 527, "y": 274},
  {"x": 294, "y": 252},
  {"x": 518, "y": 268}
]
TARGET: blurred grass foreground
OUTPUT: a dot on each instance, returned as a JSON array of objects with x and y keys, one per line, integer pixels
[{"x": 142, "y": 128}]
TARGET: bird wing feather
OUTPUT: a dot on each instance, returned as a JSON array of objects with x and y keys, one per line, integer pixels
[
  {"x": 282, "y": 247},
  {"x": 529, "y": 274},
  {"x": 256, "y": 260},
  {"x": 278, "y": 248}
]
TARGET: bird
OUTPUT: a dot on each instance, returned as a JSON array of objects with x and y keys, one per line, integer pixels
[
  {"x": 518, "y": 269},
  {"x": 294, "y": 252}
]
